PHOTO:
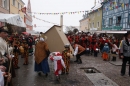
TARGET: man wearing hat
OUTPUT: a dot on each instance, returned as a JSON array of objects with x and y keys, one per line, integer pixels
[
  {"x": 4, "y": 47},
  {"x": 125, "y": 53}
]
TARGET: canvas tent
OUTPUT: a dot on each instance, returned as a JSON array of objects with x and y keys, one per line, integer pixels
[
  {"x": 13, "y": 19},
  {"x": 56, "y": 39}
]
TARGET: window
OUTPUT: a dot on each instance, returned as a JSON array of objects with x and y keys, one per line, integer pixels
[
  {"x": 129, "y": 19},
  {"x": 110, "y": 21},
  {"x": 86, "y": 28},
  {"x": 4, "y": 3},
  {"x": 93, "y": 25},
  {"x": 90, "y": 25},
  {"x": 104, "y": 22},
  {"x": 14, "y": 2},
  {"x": 19, "y": 6},
  {"x": 98, "y": 24},
  {"x": 118, "y": 21},
  {"x": 120, "y": 1}
]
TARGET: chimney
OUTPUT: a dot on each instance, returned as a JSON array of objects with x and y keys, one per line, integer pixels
[
  {"x": 95, "y": 3},
  {"x": 61, "y": 22}
]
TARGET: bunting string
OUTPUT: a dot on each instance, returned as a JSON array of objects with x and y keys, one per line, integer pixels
[
  {"x": 60, "y": 13},
  {"x": 44, "y": 21}
]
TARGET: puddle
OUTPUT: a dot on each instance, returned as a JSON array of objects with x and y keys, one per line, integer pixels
[{"x": 90, "y": 70}]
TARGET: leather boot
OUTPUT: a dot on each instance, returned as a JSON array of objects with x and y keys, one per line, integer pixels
[{"x": 80, "y": 61}]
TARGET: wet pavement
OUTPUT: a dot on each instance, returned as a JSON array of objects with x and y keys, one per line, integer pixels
[{"x": 25, "y": 76}]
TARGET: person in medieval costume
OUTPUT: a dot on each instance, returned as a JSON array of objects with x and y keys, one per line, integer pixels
[
  {"x": 58, "y": 64},
  {"x": 105, "y": 52},
  {"x": 16, "y": 52},
  {"x": 41, "y": 57},
  {"x": 26, "y": 52},
  {"x": 5, "y": 54},
  {"x": 96, "y": 49},
  {"x": 30, "y": 41},
  {"x": 79, "y": 51},
  {"x": 66, "y": 57}
]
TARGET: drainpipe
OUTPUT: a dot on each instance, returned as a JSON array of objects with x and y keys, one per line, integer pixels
[{"x": 9, "y": 6}]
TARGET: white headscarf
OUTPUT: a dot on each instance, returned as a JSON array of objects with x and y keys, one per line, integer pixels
[{"x": 41, "y": 39}]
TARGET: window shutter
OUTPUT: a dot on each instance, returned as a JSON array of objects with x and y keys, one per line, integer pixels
[
  {"x": 2, "y": 3},
  {"x": 7, "y": 1}
]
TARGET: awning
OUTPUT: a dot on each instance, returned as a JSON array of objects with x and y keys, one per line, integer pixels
[
  {"x": 14, "y": 19},
  {"x": 112, "y": 32}
]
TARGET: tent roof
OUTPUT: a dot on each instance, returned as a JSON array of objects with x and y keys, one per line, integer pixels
[{"x": 14, "y": 19}]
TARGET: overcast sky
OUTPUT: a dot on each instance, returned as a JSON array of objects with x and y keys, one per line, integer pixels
[{"x": 44, "y": 6}]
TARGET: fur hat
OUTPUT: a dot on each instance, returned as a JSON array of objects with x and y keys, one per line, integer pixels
[
  {"x": 4, "y": 29},
  {"x": 67, "y": 45},
  {"x": 43, "y": 36}
]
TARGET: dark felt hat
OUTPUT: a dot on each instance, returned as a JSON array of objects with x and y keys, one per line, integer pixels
[{"x": 4, "y": 29}]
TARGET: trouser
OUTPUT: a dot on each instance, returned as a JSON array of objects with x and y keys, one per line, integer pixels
[
  {"x": 67, "y": 64},
  {"x": 91, "y": 51},
  {"x": 78, "y": 56},
  {"x": 105, "y": 56},
  {"x": 124, "y": 62},
  {"x": 87, "y": 52},
  {"x": 114, "y": 58},
  {"x": 26, "y": 57},
  {"x": 95, "y": 53},
  {"x": 15, "y": 60}
]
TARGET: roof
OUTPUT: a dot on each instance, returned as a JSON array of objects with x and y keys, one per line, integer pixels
[
  {"x": 83, "y": 19},
  {"x": 97, "y": 6},
  {"x": 22, "y": 2}
]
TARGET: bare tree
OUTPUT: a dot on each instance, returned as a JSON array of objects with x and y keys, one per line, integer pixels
[{"x": 71, "y": 30}]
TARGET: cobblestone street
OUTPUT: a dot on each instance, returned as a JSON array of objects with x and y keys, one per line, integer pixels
[{"x": 27, "y": 77}]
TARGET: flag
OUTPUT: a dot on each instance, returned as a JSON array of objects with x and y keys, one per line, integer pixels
[
  {"x": 23, "y": 10},
  {"x": 123, "y": 5},
  {"x": 35, "y": 25}
]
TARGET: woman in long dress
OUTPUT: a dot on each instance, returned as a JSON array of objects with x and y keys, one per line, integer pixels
[{"x": 41, "y": 57}]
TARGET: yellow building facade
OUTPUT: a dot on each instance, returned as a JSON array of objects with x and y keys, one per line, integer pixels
[
  {"x": 95, "y": 20},
  {"x": 92, "y": 21},
  {"x": 16, "y": 6},
  {"x": 84, "y": 24}
]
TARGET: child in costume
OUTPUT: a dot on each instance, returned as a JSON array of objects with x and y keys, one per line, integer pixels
[
  {"x": 105, "y": 52},
  {"x": 58, "y": 64},
  {"x": 67, "y": 53}
]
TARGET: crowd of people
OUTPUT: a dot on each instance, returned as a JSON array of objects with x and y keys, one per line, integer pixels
[
  {"x": 11, "y": 46},
  {"x": 106, "y": 45},
  {"x": 94, "y": 43}
]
